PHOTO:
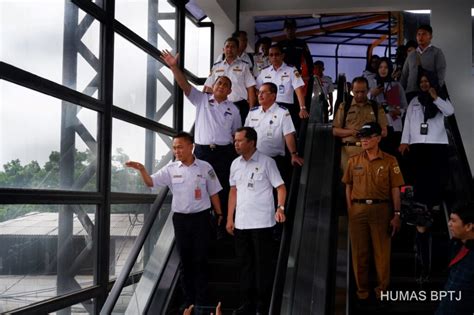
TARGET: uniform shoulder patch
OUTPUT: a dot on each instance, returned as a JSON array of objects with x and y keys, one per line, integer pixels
[
  {"x": 282, "y": 107},
  {"x": 254, "y": 108},
  {"x": 212, "y": 174},
  {"x": 396, "y": 170}
]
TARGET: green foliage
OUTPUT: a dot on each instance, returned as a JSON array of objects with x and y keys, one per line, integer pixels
[{"x": 33, "y": 176}]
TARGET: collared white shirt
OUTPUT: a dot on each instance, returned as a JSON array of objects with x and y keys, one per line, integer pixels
[
  {"x": 261, "y": 61},
  {"x": 238, "y": 72},
  {"x": 436, "y": 130},
  {"x": 286, "y": 78},
  {"x": 245, "y": 56},
  {"x": 418, "y": 49},
  {"x": 255, "y": 180},
  {"x": 215, "y": 122},
  {"x": 272, "y": 126},
  {"x": 183, "y": 182}
]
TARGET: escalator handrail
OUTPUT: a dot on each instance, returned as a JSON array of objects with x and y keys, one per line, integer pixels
[{"x": 134, "y": 252}]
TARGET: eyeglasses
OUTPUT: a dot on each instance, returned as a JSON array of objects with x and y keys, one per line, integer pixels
[
  {"x": 263, "y": 92},
  {"x": 274, "y": 55}
]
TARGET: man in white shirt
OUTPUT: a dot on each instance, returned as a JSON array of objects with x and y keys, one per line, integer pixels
[
  {"x": 238, "y": 71},
  {"x": 217, "y": 119},
  {"x": 274, "y": 128},
  {"x": 288, "y": 80},
  {"x": 252, "y": 179},
  {"x": 327, "y": 85},
  {"x": 194, "y": 186}
]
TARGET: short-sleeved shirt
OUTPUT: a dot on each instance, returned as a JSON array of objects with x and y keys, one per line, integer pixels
[
  {"x": 215, "y": 122},
  {"x": 255, "y": 180},
  {"x": 239, "y": 74},
  {"x": 357, "y": 115},
  {"x": 286, "y": 78},
  {"x": 373, "y": 179},
  {"x": 272, "y": 126},
  {"x": 183, "y": 182}
]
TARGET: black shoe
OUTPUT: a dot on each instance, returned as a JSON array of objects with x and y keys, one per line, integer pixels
[{"x": 244, "y": 309}]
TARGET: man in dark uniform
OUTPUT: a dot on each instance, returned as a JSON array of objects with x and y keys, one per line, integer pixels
[
  {"x": 345, "y": 125},
  {"x": 373, "y": 181},
  {"x": 194, "y": 186},
  {"x": 297, "y": 54}
]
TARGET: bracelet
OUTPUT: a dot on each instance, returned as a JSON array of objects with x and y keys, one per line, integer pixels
[
  {"x": 294, "y": 153},
  {"x": 397, "y": 212},
  {"x": 303, "y": 107}
]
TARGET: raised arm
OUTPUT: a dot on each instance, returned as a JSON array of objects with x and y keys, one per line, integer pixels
[{"x": 172, "y": 62}]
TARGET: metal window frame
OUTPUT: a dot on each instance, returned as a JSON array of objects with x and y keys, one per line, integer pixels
[{"x": 103, "y": 198}]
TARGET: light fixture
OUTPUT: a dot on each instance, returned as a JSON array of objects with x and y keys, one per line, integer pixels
[{"x": 418, "y": 11}]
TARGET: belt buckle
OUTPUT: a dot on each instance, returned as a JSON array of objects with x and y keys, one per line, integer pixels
[
  {"x": 358, "y": 144},
  {"x": 212, "y": 146},
  {"x": 369, "y": 201}
]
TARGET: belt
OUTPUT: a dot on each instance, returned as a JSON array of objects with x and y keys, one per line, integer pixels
[
  {"x": 369, "y": 201},
  {"x": 352, "y": 144},
  {"x": 214, "y": 146}
]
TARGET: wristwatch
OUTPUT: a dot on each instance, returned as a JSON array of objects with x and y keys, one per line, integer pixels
[
  {"x": 282, "y": 208},
  {"x": 397, "y": 212}
]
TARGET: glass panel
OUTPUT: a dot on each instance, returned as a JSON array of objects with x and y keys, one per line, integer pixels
[
  {"x": 189, "y": 111},
  {"x": 197, "y": 49},
  {"x": 47, "y": 250},
  {"x": 126, "y": 221},
  {"x": 45, "y": 154},
  {"x": 351, "y": 67},
  {"x": 157, "y": 244},
  {"x": 135, "y": 74},
  {"x": 145, "y": 18},
  {"x": 86, "y": 307},
  {"x": 63, "y": 50},
  {"x": 130, "y": 142}
]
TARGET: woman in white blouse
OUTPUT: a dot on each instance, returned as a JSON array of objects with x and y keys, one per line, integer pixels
[{"x": 424, "y": 137}]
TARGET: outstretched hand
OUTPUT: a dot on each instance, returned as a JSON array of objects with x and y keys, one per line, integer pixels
[{"x": 169, "y": 59}]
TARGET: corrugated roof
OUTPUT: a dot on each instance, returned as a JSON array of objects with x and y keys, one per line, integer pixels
[{"x": 46, "y": 224}]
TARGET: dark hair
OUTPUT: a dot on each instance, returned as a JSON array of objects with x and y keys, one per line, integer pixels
[
  {"x": 277, "y": 46},
  {"x": 465, "y": 211},
  {"x": 272, "y": 86},
  {"x": 289, "y": 22},
  {"x": 265, "y": 40},
  {"x": 360, "y": 80},
  {"x": 250, "y": 134},
  {"x": 184, "y": 135},
  {"x": 233, "y": 40},
  {"x": 236, "y": 34},
  {"x": 425, "y": 27},
  {"x": 368, "y": 65},
  {"x": 411, "y": 43},
  {"x": 388, "y": 78},
  {"x": 319, "y": 63},
  {"x": 225, "y": 78}
]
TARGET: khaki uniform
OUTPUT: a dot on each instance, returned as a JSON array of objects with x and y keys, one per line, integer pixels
[
  {"x": 369, "y": 223},
  {"x": 357, "y": 115}
]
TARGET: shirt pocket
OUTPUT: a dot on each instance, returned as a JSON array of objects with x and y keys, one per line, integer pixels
[{"x": 177, "y": 180}]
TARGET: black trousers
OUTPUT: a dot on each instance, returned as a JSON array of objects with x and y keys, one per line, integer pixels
[
  {"x": 284, "y": 167},
  {"x": 220, "y": 159},
  {"x": 192, "y": 232},
  {"x": 429, "y": 164},
  {"x": 244, "y": 108},
  {"x": 254, "y": 254}
]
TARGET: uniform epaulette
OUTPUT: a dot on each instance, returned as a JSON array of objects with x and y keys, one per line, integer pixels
[
  {"x": 244, "y": 61},
  {"x": 218, "y": 62},
  {"x": 282, "y": 107},
  {"x": 266, "y": 67},
  {"x": 254, "y": 108}
]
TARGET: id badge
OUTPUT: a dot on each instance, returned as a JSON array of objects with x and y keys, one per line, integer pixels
[
  {"x": 423, "y": 129},
  {"x": 281, "y": 89},
  {"x": 251, "y": 184},
  {"x": 197, "y": 193},
  {"x": 269, "y": 133}
]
